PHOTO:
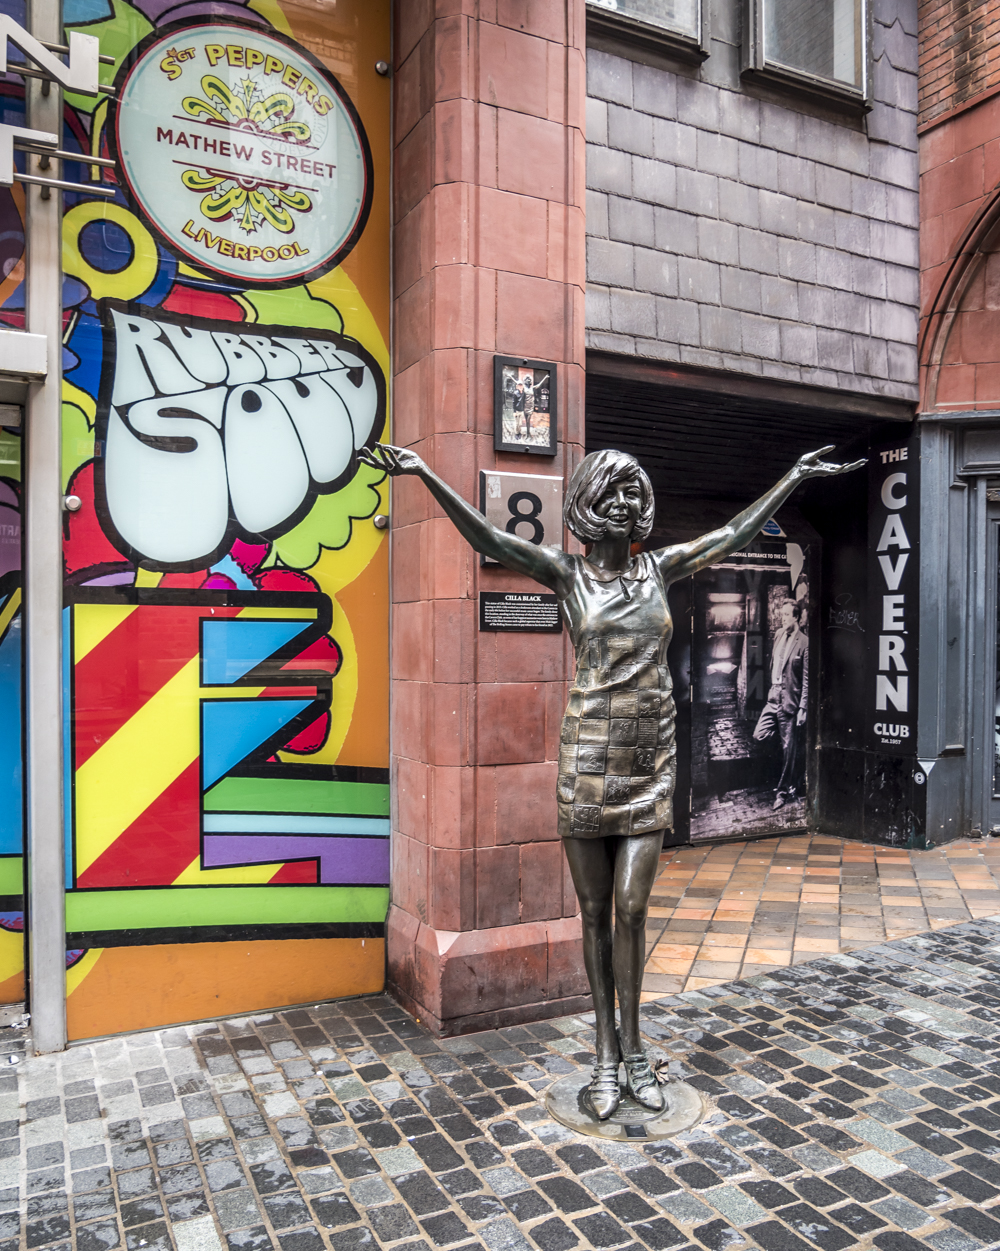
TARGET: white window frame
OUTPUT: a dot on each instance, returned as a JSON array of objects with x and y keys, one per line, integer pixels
[
  {"x": 615, "y": 28},
  {"x": 832, "y": 92}
]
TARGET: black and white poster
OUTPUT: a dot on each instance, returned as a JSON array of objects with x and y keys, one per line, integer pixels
[{"x": 750, "y": 634}]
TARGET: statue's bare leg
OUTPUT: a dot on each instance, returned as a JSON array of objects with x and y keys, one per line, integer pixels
[
  {"x": 636, "y": 863},
  {"x": 592, "y": 864}
]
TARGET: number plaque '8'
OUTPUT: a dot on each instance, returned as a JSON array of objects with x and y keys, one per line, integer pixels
[{"x": 529, "y": 518}]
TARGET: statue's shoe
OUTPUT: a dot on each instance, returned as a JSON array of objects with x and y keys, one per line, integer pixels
[
  {"x": 604, "y": 1094},
  {"x": 640, "y": 1082}
]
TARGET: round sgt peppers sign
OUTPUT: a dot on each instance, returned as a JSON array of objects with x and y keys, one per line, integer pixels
[{"x": 243, "y": 152}]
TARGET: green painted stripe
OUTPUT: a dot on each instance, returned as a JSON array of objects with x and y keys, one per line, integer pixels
[
  {"x": 223, "y": 905},
  {"x": 297, "y": 795},
  {"x": 11, "y": 875}
]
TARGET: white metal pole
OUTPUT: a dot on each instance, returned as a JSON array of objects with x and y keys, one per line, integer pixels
[{"x": 43, "y": 576}]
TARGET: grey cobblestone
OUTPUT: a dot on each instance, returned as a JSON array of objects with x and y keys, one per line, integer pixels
[{"x": 803, "y": 1070}]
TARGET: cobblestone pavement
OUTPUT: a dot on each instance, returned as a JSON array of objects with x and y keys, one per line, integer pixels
[
  {"x": 744, "y": 908},
  {"x": 853, "y": 1102}
]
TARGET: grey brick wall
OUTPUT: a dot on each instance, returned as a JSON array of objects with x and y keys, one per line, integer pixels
[{"x": 731, "y": 232}]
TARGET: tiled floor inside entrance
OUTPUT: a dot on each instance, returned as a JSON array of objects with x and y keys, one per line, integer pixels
[{"x": 723, "y": 912}]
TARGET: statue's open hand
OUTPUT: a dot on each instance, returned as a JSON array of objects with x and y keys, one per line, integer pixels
[
  {"x": 392, "y": 460},
  {"x": 812, "y": 466}
]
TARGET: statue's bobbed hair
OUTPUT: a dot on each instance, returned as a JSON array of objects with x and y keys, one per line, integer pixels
[{"x": 591, "y": 479}]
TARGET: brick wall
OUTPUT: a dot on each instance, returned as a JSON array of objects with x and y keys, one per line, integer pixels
[
  {"x": 736, "y": 232},
  {"x": 959, "y": 53},
  {"x": 489, "y": 258},
  {"x": 960, "y": 173}
]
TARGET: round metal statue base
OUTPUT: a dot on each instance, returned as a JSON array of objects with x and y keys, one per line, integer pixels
[{"x": 631, "y": 1122}]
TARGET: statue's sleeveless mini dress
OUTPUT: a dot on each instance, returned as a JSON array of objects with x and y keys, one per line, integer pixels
[{"x": 618, "y": 752}]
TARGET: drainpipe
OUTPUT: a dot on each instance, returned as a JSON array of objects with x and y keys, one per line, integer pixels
[{"x": 43, "y": 574}]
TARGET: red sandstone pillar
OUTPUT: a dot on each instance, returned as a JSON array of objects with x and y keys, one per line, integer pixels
[{"x": 489, "y": 258}]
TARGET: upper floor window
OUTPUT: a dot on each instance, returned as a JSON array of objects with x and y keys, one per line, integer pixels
[
  {"x": 673, "y": 26},
  {"x": 820, "y": 46},
  {"x": 678, "y": 15}
]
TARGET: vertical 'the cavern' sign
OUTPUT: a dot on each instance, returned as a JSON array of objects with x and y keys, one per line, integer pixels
[{"x": 893, "y": 585}]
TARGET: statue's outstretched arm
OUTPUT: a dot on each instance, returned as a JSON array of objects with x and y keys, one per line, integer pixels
[
  {"x": 548, "y": 565},
  {"x": 685, "y": 558}
]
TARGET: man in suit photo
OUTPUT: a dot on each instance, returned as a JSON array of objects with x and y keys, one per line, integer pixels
[{"x": 784, "y": 713}]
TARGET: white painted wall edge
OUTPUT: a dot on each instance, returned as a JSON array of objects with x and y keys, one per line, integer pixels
[{"x": 23, "y": 355}]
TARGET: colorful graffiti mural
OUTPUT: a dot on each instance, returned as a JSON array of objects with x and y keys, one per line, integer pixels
[
  {"x": 225, "y": 327},
  {"x": 11, "y": 698}
]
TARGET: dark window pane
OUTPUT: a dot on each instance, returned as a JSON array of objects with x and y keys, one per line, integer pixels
[
  {"x": 821, "y": 37},
  {"x": 679, "y": 15}
]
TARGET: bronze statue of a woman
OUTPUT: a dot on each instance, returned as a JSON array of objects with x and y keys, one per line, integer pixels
[{"x": 617, "y": 755}]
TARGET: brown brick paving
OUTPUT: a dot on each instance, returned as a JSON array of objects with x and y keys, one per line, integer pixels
[{"x": 718, "y": 913}]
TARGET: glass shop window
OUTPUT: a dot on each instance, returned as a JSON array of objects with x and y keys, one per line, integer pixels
[
  {"x": 819, "y": 46},
  {"x": 681, "y": 16}
]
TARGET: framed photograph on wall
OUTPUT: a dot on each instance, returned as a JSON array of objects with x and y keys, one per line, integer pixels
[{"x": 524, "y": 406}]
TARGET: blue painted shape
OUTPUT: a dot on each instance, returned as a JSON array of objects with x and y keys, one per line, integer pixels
[
  {"x": 86, "y": 342},
  {"x": 11, "y": 108},
  {"x": 79, "y": 12},
  {"x": 162, "y": 284},
  {"x": 230, "y": 649},
  {"x": 104, "y": 245},
  {"x": 11, "y": 802},
  {"x": 74, "y": 292},
  {"x": 231, "y": 569},
  {"x": 17, "y": 9},
  {"x": 232, "y": 729},
  {"x": 293, "y": 823}
]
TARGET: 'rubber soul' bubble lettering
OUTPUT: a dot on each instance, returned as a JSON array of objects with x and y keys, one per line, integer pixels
[{"x": 212, "y": 431}]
